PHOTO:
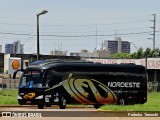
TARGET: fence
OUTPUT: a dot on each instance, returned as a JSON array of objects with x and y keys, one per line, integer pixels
[{"x": 7, "y": 82}]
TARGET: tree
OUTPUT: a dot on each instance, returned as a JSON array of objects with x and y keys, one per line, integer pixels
[
  {"x": 155, "y": 52},
  {"x": 121, "y": 55},
  {"x": 147, "y": 53},
  {"x": 140, "y": 53},
  {"x": 134, "y": 55}
]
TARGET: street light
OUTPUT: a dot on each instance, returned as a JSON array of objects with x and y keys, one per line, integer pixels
[
  {"x": 38, "y": 14},
  {"x": 134, "y": 45},
  {"x": 145, "y": 55}
]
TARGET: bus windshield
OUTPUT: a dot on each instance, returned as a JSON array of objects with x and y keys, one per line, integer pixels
[{"x": 31, "y": 79}]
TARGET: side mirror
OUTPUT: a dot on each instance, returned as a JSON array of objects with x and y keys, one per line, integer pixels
[{"x": 15, "y": 73}]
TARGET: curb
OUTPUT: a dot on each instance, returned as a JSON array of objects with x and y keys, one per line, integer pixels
[
  {"x": 54, "y": 106},
  {"x": 101, "y": 110}
]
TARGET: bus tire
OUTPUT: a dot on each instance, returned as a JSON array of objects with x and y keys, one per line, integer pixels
[
  {"x": 48, "y": 105},
  {"x": 62, "y": 104},
  {"x": 96, "y": 106},
  {"x": 121, "y": 101},
  {"x": 40, "y": 106}
]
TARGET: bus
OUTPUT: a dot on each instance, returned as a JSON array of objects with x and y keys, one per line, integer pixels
[{"x": 62, "y": 82}]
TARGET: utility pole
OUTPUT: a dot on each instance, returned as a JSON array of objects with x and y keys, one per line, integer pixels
[
  {"x": 154, "y": 29},
  {"x": 154, "y": 34},
  {"x": 96, "y": 36}
]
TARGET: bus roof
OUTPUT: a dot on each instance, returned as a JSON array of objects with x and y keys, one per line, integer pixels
[{"x": 52, "y": 63}]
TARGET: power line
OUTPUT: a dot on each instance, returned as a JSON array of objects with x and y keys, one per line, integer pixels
[
  {"x": 90, "y": 18},
  {"x": 19, "y": 34},
  {"x": 105, "y": 18},
  {"x": 122, "y": 29},
  {"x": 100, "y": 35},
  {"x": 80, "y": 32},
  {"x": 9, "y": 33},
  {"x": 76, "y": 25},
  {"x": 17, "y": 24}
]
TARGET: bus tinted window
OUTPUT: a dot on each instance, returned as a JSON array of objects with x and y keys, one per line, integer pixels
[
  {"x": 31, "y": 79},
  {"x": 53, "y": 78}
]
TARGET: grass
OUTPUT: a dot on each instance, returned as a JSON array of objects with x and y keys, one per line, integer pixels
[
  {"x": 8, "y": 97},
  {"x": 152, "y": 104}
]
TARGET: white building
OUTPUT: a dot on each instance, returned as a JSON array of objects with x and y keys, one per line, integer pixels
[{"x": 58, "y": 53}]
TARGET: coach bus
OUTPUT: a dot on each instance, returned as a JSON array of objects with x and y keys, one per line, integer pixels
[{"x": 60, "y": 82}]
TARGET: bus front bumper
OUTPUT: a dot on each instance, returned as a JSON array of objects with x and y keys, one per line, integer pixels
[
  {"x": 30, "y": 102},
  {"x": 38, "y": 100}
]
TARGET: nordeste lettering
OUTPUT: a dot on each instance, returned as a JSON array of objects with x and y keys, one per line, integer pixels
[{"x": 124, "y": 84}]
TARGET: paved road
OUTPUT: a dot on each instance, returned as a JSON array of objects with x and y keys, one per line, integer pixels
[{"x": 69, "y": 114}]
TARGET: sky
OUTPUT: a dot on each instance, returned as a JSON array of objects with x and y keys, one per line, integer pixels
[{"x": 72, "y": 25}]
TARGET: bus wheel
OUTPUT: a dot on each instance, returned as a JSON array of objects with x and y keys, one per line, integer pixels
[
  {"x": 48, "y": 105},
  {"x": 96, "y": 106},
  {"x": 40, "y": 106},
  {"x": 62, "y": 104},
  {"x": 121, "y": 101}
]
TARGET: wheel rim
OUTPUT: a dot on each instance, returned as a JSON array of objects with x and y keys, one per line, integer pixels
[
  {"x": 64, "y": 102},
  {"x": 121, "y": 102}
]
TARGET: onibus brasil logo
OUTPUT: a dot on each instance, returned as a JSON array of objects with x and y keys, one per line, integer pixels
[{"x": 86, "y": 90}]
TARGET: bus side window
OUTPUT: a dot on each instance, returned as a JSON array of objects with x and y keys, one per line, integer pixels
[
  {"x": 49, "y": 84},
  {"x": 51, "y": 78},
  {"x": 48, "y": 79}
]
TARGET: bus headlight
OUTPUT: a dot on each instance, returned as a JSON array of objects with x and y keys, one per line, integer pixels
[
  {"x": 39, "y": 97},
  {"x": 19, "y": 97}
]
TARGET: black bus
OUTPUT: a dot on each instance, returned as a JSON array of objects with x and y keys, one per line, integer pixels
[{"x": 60, "y": 82}]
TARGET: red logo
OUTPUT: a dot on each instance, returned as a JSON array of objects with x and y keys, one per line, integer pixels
[{"x": 15, "y": 64}]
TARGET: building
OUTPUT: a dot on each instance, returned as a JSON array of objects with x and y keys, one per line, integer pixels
[
  {"x": 111, "y": 46},
  {"x": 18, "y": 47},
  {"x": 9, "y": 48},
  {"x": 101, "y": 54},
  {"x": 117, "y": 46},
  {"x": 125, "y": 47},
  {"x": 74, "y": 54},
  {"x": 15, "y": 48},
  {"x": 58, "y": 53},
  {"x": 95, "y": 54}
]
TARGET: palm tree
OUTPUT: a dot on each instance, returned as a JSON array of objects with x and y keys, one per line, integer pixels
[
  {"x": 140, "y": 53},
  {"x": 154, "y": 53},
  {"x": 147, "y": 53},
  {"x": 134, "y": 55}
]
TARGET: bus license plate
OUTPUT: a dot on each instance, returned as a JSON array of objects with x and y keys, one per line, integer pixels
[{"x": 28, "y": 102}]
